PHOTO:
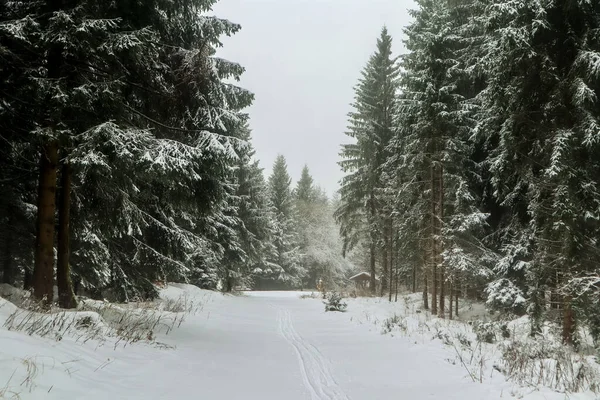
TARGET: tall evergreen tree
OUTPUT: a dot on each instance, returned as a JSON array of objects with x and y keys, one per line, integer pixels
[
  {"x": 305, "y": 190},
  {"x": 319, "y": 241},
  {"x": 130, "y": 101},
  {"x": 544, "y": 164},
  {"x": 284, "y": 269},
  {"x": 371, "y": 125},
  {"x": 433, "y": 164},
  {"x": 255, "y": 223}
]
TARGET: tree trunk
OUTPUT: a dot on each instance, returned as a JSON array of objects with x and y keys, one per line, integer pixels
[
  {"x": 66, "y": 296},
  {"x": 384, "y": 264},
  {"x": 392, "y": 275},
  {"x": 43, "y": 269},
  {"x": 425, "y": 291},
  {"x": 27, "y": 279},
  {"x": 397, "y": 277},
  {"x": 397, "y": 273},
  {"x": 555, "y": 301},
  {"x": 391, "y": 252},
  {"x": 450, "y": 299},
  {"x": 77, "y": 286},
  {"x": 433, "y": 243},
  {"x": 441, "y": 309},
  {"x": 414, "y": 278},
  {"x": 456, "y": 303},
  {"x": 8, "y": 274},
  {"x": 440, "y": 250},
  {"x": 568, "y": 328},
  {"x": 373, "y": 282}
]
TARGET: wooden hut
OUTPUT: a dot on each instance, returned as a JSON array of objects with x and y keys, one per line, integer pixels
[{"x": 362, "y": 280}]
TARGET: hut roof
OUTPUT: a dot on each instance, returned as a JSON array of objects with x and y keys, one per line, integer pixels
[{"x": 361, "y": 275}]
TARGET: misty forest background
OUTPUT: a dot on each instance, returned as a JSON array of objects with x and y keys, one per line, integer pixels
[{"x": 471, "y": 169}]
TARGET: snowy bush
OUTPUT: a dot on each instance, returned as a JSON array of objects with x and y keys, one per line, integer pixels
[
  {"x": 98, "y": 320},
  {"x": 490, "y": 332},
  {"x": 503, "y": 294},
  {"x": 393, "y": 323},
  {"x": 333, "y": 302},
  {"x": 136, "y": 322},
  {"x": 547, "y": 363}
]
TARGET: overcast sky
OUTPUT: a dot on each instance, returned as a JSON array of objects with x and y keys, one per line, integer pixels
[{"x": 302, "y": 59}]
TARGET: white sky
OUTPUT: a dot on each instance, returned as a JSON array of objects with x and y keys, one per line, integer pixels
[{"x": 302, "y": 59}]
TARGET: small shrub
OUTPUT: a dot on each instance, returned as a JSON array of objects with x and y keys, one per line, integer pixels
[
  {"x": 463, "y": 340},
  {"x": 85, "y": 322},
  {"x": 334, "y": 302},
  {"x": 543, "y": 363},
  {"x": 97, "y": 320},
  {"x": 489, "y": 332},
  {"x": 443, "y": 335},
  {"x": 393, "y": 323}
]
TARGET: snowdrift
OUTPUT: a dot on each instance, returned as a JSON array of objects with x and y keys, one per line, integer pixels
[{"x": 45, "y": 352}]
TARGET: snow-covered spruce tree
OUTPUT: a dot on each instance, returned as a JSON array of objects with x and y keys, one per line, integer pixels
[
  {"x": 178, "y": 220},
  {"x": 432, "y": 165},
  {"x": 151, "y": 146},
  {"x": 284, "y": 269},
  {"x": 18, "y": 182},
  {"x": 543, "y": 114},
  {"x": 305, "y": 190},
  {"x": 371, "y": 125},
  {"x": 255, "y": 221},
  {"x": 305, "y": 203},
  {"x": 324, "y": 246},
  {"x": 319, "y": 238},
  {"x": 33, "y": 67}
]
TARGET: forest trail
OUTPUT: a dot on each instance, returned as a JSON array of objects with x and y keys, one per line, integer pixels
[
  {"x": 316, "y": 375},
  {"x": 257, "y": 346}
]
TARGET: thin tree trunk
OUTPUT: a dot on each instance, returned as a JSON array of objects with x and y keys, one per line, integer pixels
[
  {"x": 391, "y": 251},
  {"x": 397, "y": 278},
  {"x": 43, "y": 269},
  {"x": 384, "y": 262},
  {"x": 456, "y": 292},
  {"x": 568, "y": 328},
  {"x": 76, "y": 286},
  {"x": 373, "y": 282},
  {"x": 442, "y": 309},
  {"x": 414, "y": 278},
  {"x": 450, "y": 299},
  {"x": 555, "y": 301},
  {"x": 27, "y": 279},
  {"x": 66, "y": 296},
  {"x": 433, "y": 243},
  {"x": 8, "y": 275},
  {"x": 425, "y": 291}
]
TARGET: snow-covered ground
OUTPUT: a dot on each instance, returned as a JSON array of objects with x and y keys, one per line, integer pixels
[{"x": 262, "y": 345}]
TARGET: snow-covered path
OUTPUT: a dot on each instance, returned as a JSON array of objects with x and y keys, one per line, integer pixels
[
  {"x": 264, "y": 346},
  {"x": 337, "y": 359}
]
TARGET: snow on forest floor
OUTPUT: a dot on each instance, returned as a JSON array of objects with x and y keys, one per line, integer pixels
[{"x": 262, "y": 345}]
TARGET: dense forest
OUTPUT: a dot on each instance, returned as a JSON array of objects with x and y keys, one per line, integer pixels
[
  {"x": 473, "y": 167},
  {"x": 127, "y": 159}
]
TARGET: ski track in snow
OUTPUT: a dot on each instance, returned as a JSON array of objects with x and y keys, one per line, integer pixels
[{"x": 316, "y": 375}]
